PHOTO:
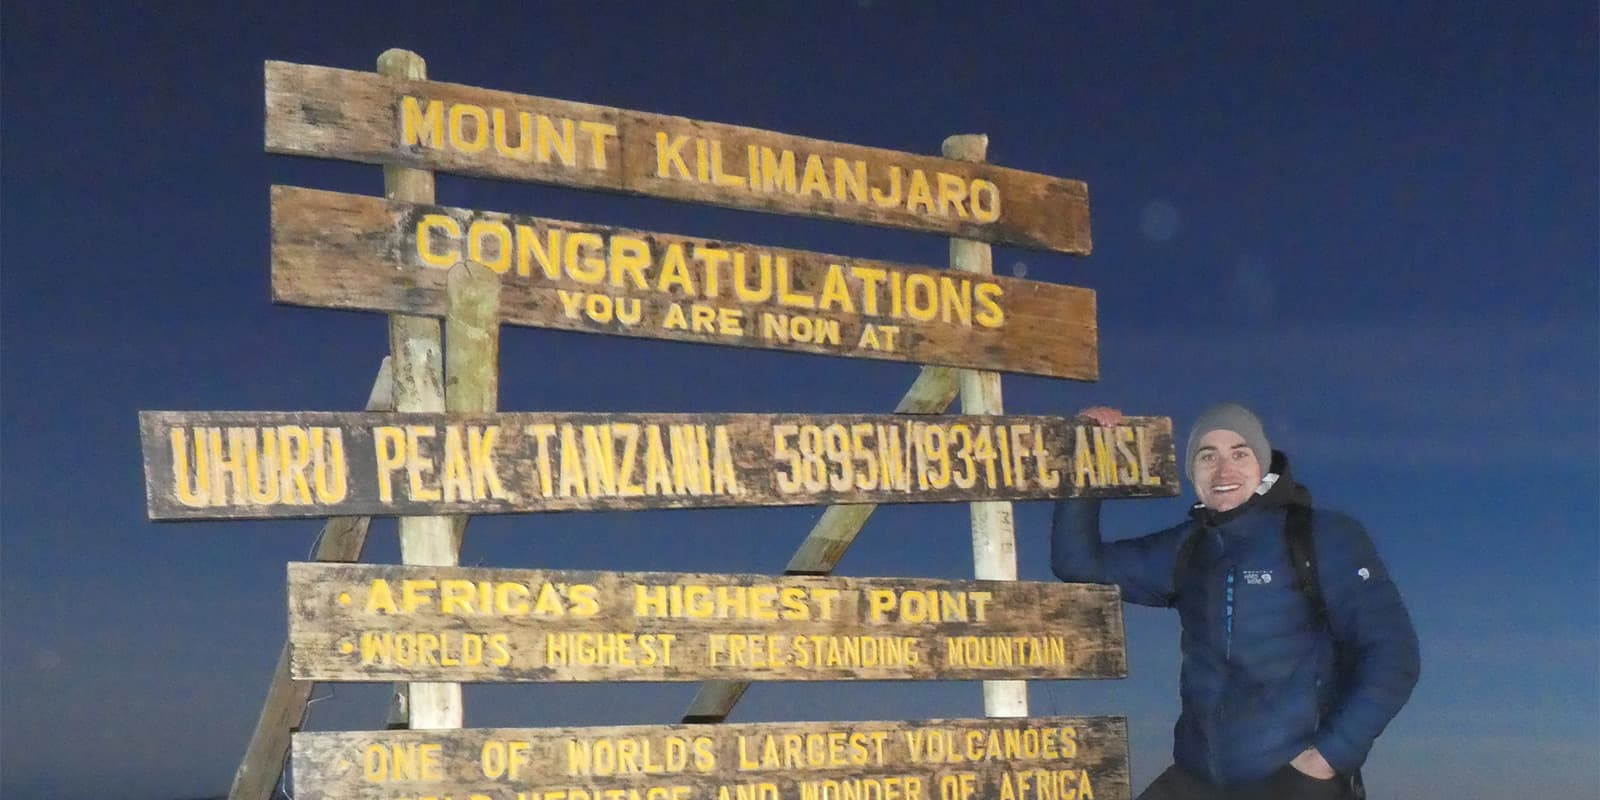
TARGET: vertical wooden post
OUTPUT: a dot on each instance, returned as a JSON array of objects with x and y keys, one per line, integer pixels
[
  {"x": 342, "y": 539},
  {"x": 471, "y": 349},
  {"x": 994, "y": 541},
  {"x": 416, "y": 347}
]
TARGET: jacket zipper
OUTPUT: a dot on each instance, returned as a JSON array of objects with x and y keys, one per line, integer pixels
[
  {"x": 1214, "y": 752},
  {"x": 1227, "y": 618}
]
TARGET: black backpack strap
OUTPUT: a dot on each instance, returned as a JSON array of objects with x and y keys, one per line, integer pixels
[{"x": 1303, "y": 555}]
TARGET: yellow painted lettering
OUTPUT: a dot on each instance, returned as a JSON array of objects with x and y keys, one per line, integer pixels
[
  {"x": 581, "y": 259},
  {"x": 380, "y": 598},
  {"x": 871, "y": 278},
  {"x": 418, "y": 463},
  {"x": 985, "y": 201},
  {"x": 718, "y": 177},
  {"x": 918, "y": 193},
  {"x": 658, "y": 477},
  {"x": 416, "y": 593},
  {"x": 523, "y": 151},
  {"x": 814, "y": 179},
  {"x": 294, "y": 456},
  {"x": 628, "y": 433},
  {"x": 952, "y": 193},
  {"x": 674, "y": 318},
  {"x": 674, "y": 272},
  {"x": 741, "y": 283},
  {"x": 562, "y": 144},
  {"x": 329, "y": 473},
  {"x": 480, "y": 446},
  {"x": 456, "y": 482},
  {"x": 669, "y": 156},
  {"x": 426, "y": 227},
  {"x": 600, "y": 460},
  {"x": 511, "y": 598},
  {"x": 547, "y": 252},
  {"x": 711, "y": 260},
  {"x": 629, "y": 256},
  {"x": 922, "y": 302},
  {"x": 572, "y": 481},
  {"x": 541, "y": 434},
  {"x": 490, "y": 231},
  {"x": 389, "y": 444},
  {"x": 836, "y": 291},
  {"x": 199, "y": 494},
  {"x": 777, "y": 171},
  {"x": 850, "y": 178},
  {"x": 990, "y": 314},
  {"x": 955, "y": 300},
  {"x": 419, "y": 126},
  {"x": 726, "y": 478},
  {"x": 467, "y": 138},
  {"x": 891, "y": 198},
  {"x": 786, "y": 295},
  {"x": 1142, "y": 445},
  {"x": 1083, "y": 473}
]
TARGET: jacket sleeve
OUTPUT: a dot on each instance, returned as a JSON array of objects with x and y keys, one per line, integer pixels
[
  {"x": 1368, "y": 617},
  {"x": 1141, "y": 567}
]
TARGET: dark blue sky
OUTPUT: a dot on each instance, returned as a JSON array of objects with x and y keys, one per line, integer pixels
[{"x": 1378, "y": 227}]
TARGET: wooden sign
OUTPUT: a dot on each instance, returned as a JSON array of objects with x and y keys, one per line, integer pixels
[
  {"x": 345, "y": 251},
  {"x": 369, "y": 623},
  {"x": 1040, "y": 758},
  {"x": 249, "y": 464},
  {"x": 362, "y": 116}
]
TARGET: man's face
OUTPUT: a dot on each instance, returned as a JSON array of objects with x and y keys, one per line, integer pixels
[{"x": 1226, "y": 472}]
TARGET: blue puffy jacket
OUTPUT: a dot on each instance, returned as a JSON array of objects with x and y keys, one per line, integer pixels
[{"x": 1260, "y": 682}]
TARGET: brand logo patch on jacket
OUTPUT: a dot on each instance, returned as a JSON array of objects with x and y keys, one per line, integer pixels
[{"x": 1257, "y": 577}]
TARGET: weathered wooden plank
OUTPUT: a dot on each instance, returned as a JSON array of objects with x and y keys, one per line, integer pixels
[
  {"x": 1046, "y": 758},
  {"x": 335, "y": 250},
  {"x": 334, "y": 113},
  {"x": 372, "y": 623},
  {"x": 239, "y": 464}
]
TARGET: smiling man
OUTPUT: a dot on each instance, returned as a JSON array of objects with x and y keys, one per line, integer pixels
[{"x": 1297, "y": 649}]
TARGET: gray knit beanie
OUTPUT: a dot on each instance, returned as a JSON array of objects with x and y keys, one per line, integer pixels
[{"x": 1230, "y": 417}]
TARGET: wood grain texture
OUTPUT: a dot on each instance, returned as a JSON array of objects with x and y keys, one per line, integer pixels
[
  {"x": 372, "y": 623},
  {"x": 334, "y": 250},
  {"x": 236, "y": 464},
  {"x": 334, "y": 113},
  {"x": 1046, "y": 758}
]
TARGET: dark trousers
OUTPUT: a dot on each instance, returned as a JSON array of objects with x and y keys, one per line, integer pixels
[{"x": 1285, "y": 784}]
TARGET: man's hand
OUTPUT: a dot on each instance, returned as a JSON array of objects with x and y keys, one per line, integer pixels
[
  {"x": 1104, "y": 416},
  {"x": 1312, "y": 763}
]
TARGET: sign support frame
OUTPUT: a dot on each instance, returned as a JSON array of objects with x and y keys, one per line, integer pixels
[
  {"x": 456, "y": 370},
  {"x": 284, "y": 709}
]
